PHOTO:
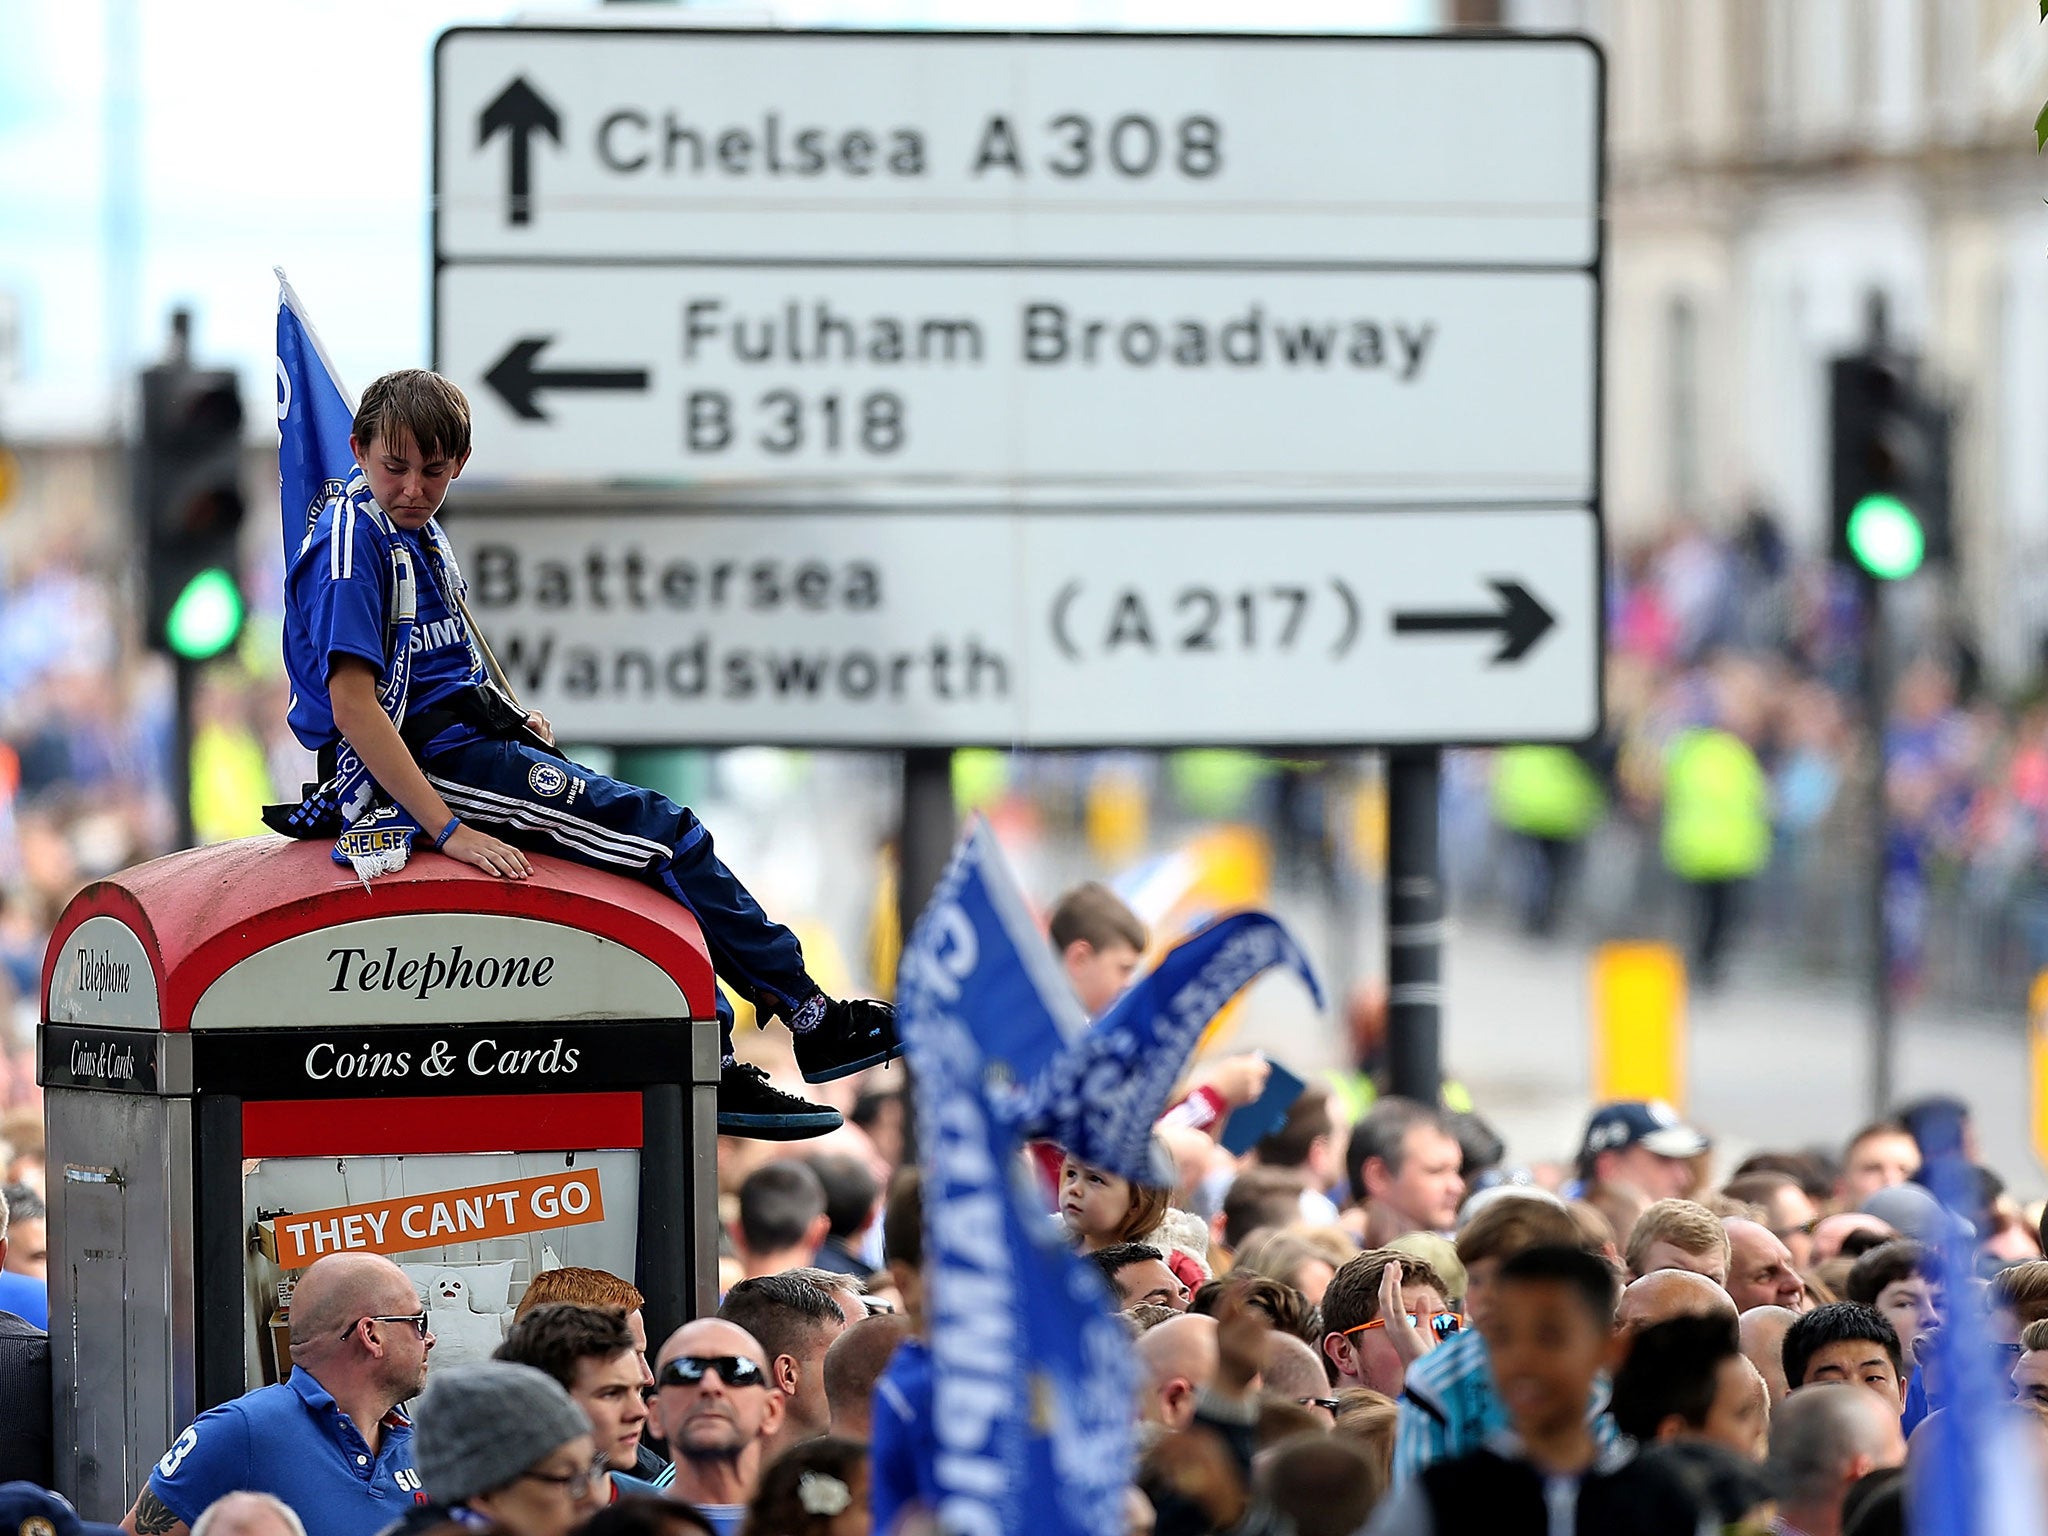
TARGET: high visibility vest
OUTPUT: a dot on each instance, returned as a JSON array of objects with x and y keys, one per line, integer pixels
[
  {"x": 1546, "y": 792},
  {"x": 1717, "y": 820}
]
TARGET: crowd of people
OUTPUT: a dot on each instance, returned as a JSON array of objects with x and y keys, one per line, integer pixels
[
  {"x": 1369, "y": 1322},
  {"x": 1740, "y": 639}
]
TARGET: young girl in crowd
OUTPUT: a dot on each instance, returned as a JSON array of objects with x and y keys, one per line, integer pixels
[
  {"x": 1101, "y": 1210},
  {"x": 815, "y": 1488}
]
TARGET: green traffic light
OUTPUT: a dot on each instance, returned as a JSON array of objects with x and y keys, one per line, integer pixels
[
  {"x": 207, "y": 616},
  {"x": 1886, "y": 537}
]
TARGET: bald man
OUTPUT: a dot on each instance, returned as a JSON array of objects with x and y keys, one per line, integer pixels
[
  {"x": 717, "y": 1407},
  {"x": 1667, "y": 1293},
  {"x": 328, "y": 1440},
  {"x": 1290, "y": 1369},
  {"x": 853, "y": 1364},
  {"x": 1179, "y": 1357},
  {"x": 1763, "y": 1342},
  {"x": 1823, "y": 1439}
]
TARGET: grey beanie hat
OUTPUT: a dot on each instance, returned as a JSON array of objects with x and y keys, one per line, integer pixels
[{"x": 481, "y": 1424}]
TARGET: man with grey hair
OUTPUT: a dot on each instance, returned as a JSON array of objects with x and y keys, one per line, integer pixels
[
  {"x": 848, "y": 1292},
  {"x": 328, "y": 1440},
  {"x": 248, "y": 1514},
  {"x": 1823, "y": 1438},
  {"x": 795, "y": 1322}
]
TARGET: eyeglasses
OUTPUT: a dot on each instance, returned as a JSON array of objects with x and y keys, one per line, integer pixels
[
  {"x": 577, "y": 1484},
  {"x": 1442, "y": 1324},
  {"x": 417, "y": 1319},
  {"x": 1328, "y": 1404},
  {"x": 733, "y": 1370}
]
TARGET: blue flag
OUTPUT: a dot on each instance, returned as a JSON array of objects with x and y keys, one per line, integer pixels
[
  {"x": 1979, "y": 1474},
  {"x": 1033, "y": 1376},
  {"x": 1099, "y": 1098},
  {"x": 314, "y": 413},
  {"x": 1027, "y": 1011}
]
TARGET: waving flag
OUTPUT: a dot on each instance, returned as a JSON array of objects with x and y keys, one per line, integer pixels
[
  {"x": 314, "y": 413},
  {"x": 1026, "y": 1011},
  {"x": 1980, "y": 1474},
  {"x": 1032, "y": 1373},
  {"x": 315, "y": 467},
  {"x": 1099, "y": 1098}
]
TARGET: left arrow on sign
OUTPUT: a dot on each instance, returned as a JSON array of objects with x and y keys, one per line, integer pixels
[
  {"x": 518, "y": 381},
  {"x": 519, "y": 111},
  {"x": 1520, "y": 621}
]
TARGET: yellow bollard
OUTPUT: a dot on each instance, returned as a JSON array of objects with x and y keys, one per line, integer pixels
[
  {"x": 2037, "y": 1061},
  {"x": 1117, "y": 817},
  {"x": 1638, "y": 1023}
]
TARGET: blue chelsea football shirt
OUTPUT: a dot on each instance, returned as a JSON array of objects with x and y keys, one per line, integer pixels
[
  {"x": 337, "y": 600},
  {"x": 292, "y": 1440}
]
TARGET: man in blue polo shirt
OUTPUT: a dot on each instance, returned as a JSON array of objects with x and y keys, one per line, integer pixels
[{"x": 328, "y": 1440}]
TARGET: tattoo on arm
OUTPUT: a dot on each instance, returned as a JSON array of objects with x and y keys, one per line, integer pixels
[{"x": 153, "y": 1517}]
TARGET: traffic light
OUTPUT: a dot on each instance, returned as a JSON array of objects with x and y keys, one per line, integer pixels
[
  {"x": 188, "y": 502},
  {"x": 1890, "y": 467}
]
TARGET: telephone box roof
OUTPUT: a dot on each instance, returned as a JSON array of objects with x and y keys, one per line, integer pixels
[{"x": 197, "y": 913}]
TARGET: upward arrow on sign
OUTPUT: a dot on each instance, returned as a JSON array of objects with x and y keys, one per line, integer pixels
[{"x": 519, "y": 111}]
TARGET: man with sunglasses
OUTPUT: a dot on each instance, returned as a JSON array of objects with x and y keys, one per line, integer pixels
[
  {"x": 328, "y": 1440},
  {"x": 1381, "y": 1312},
  {"x": 718, "y": 1408}
]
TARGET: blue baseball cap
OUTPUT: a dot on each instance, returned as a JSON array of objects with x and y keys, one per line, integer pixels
[
  {"x": 1648, "y": 1123},
  {"x": 28, "y": 1510}
]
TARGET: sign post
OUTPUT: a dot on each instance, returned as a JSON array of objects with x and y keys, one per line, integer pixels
[{"x": 927, "y": 390}]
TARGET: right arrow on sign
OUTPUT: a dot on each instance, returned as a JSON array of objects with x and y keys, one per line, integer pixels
[
  {"x": 517, "y": 380},
  {"x": 519, "y": 111},
  {"x": 1520, "y": 620}
]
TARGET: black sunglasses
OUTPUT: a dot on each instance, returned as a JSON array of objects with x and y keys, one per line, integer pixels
[
  {"x": 733, "y": 1370},
  {"x": 417, "y": 1319},
  {"x": 1328, "y": 1404}
]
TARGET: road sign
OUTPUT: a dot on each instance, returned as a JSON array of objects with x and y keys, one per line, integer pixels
[
  {"x": 1446, "y": 385},
  {"x": 1061, "y": 628},
  {"x": 1233, "y": 275},
  {"x": 615, "y": 144}
]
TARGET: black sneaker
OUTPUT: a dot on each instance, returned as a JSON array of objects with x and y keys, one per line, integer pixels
[
  {"x": 856, "y": 1034},
  {"x": 751, "y": 1106}
]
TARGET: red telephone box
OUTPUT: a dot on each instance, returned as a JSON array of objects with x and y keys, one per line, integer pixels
[{"x": 251, "y": 1059}]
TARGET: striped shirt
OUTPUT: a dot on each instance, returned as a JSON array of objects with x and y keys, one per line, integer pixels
[{"x": 1448, "y": 1407}]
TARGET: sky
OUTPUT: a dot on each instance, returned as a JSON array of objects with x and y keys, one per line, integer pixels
[{"x": 293, "y": 133}]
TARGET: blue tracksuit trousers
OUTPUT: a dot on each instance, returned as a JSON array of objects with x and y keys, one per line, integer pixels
[{"x": 524, "y": 795}]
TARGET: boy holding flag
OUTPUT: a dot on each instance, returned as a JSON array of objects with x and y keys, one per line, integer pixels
[{"x": 389, "y": 687}]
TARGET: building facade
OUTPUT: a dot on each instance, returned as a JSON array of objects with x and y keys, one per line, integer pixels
[{"x": 1773, "y": 165}]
